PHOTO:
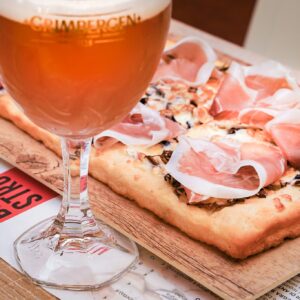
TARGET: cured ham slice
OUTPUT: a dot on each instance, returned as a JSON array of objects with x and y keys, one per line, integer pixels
[
  {"x": 285, "y": 131},
  {"x": 233, "y": 94},
  {"x": 143, "y": 126},
  {"x": 194, "y": 198},
  {"x": 225, "y": 169},
  {"x": 268, "y": 77},
  {"x": 245, "y": 87},
  {"x": 265, "y": 110},
  {"x": 191, "y": 61}
]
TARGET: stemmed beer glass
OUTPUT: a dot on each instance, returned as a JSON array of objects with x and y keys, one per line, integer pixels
[{"x": 77, "y": 67}]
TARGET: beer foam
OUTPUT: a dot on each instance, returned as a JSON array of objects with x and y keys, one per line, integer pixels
[{"x": 21, "y": 10}]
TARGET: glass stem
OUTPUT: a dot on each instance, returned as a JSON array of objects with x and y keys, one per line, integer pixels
[{"x": 75, "y": 219}]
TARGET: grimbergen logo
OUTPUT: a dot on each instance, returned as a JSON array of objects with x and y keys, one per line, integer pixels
[{"x": 78, "y": 25}]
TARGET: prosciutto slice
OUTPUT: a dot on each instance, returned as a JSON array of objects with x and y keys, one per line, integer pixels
[
  {"x": 143, "y": 126},
  {"x": 194, "y": 198},
  {"x": 285, "y": 131},
  {"x": 225, "y": 169},
  {"x": 267, "y": 78},
  {"x": 245, "y": 87},
  {"x": 191, "y": 60},
  {"x": 265, "y": 110},
  {"x": 233, "y": 94}
]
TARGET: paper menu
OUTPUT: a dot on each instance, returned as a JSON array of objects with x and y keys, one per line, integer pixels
[
  {"x": 150, "y": 279},
  {"x": 287, "y": 291}
]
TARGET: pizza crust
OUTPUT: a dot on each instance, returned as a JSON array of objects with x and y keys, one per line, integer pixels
[
  {"x": 239, "y": 230},
  {"x": 10, "y": 111}
]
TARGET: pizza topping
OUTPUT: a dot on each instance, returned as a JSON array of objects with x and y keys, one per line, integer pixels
[
  {"x": 165, "y": 143},
  {"x": 267, "y": 78},
  {"x": 233, "y": 130},
  {"x": 285, "y": 131},
  {"x": 191, "y": 61},
  {"x": 194, "y": 103},
  {"x": 265, "y": 110},
  {"x": 184, "y": 117},
  {"x": 225, "y": 169},
  {"x": 135, "y": 118},
  {"x": 202, "y": 114},
  {"x": 278, "y": 204},
  {"x": 262, "y": 193},
  {"x": 181, "y": 103},
  {"x": 153, "y": 159},
  {"x": 256, "y": 117},
  {"x": 233, "y": 94},
  {"x": 159, "y": 92},
  {"x": 144, "y": 100},
  {"x": 223, "y": 65},
  {"x": 143, "y": 126},
  {"x": 286, "y": 197},
  {"x": 295, "y": 180},
  {"x": 194, "y": 198},
  {"x": 166, "y": 155},
  {"x": 168, "y": 178},
  {"x": 141, "y": 156},
  {"x": 178, "y": 189},
  {"x": 207, "y": 131},
  {"x": 193, "y": 89},
  {"x": 245, "y": 87},
  {"x": 159, "y": 159},
  {"x": 213, "y": 132}
]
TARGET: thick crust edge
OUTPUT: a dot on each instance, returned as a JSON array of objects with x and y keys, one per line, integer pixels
[{"x": 240, "y": 230}]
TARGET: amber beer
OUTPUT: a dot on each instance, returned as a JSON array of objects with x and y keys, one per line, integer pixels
[{"x": 76, "y": 76}]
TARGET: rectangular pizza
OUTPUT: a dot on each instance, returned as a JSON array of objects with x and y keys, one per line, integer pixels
[{"x": 212, "y": 148}]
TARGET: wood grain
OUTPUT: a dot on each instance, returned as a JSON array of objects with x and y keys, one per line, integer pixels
[
  {"x": 228, "y": 278},
  {"x": 14, "y": 285}
]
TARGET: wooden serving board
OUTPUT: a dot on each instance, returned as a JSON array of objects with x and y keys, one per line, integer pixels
[
  {"x": 228, "y": 278},
  {"x": 14, "y": 285}
]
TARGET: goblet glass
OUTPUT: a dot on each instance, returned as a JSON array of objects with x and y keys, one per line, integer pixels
[{"x": 77, "y": 67}]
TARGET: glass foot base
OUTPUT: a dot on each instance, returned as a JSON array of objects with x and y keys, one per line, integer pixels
[{"x": 77, "y": 263}]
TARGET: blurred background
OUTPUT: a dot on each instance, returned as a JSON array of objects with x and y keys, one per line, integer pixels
[{"x": 268, "y": 27}]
